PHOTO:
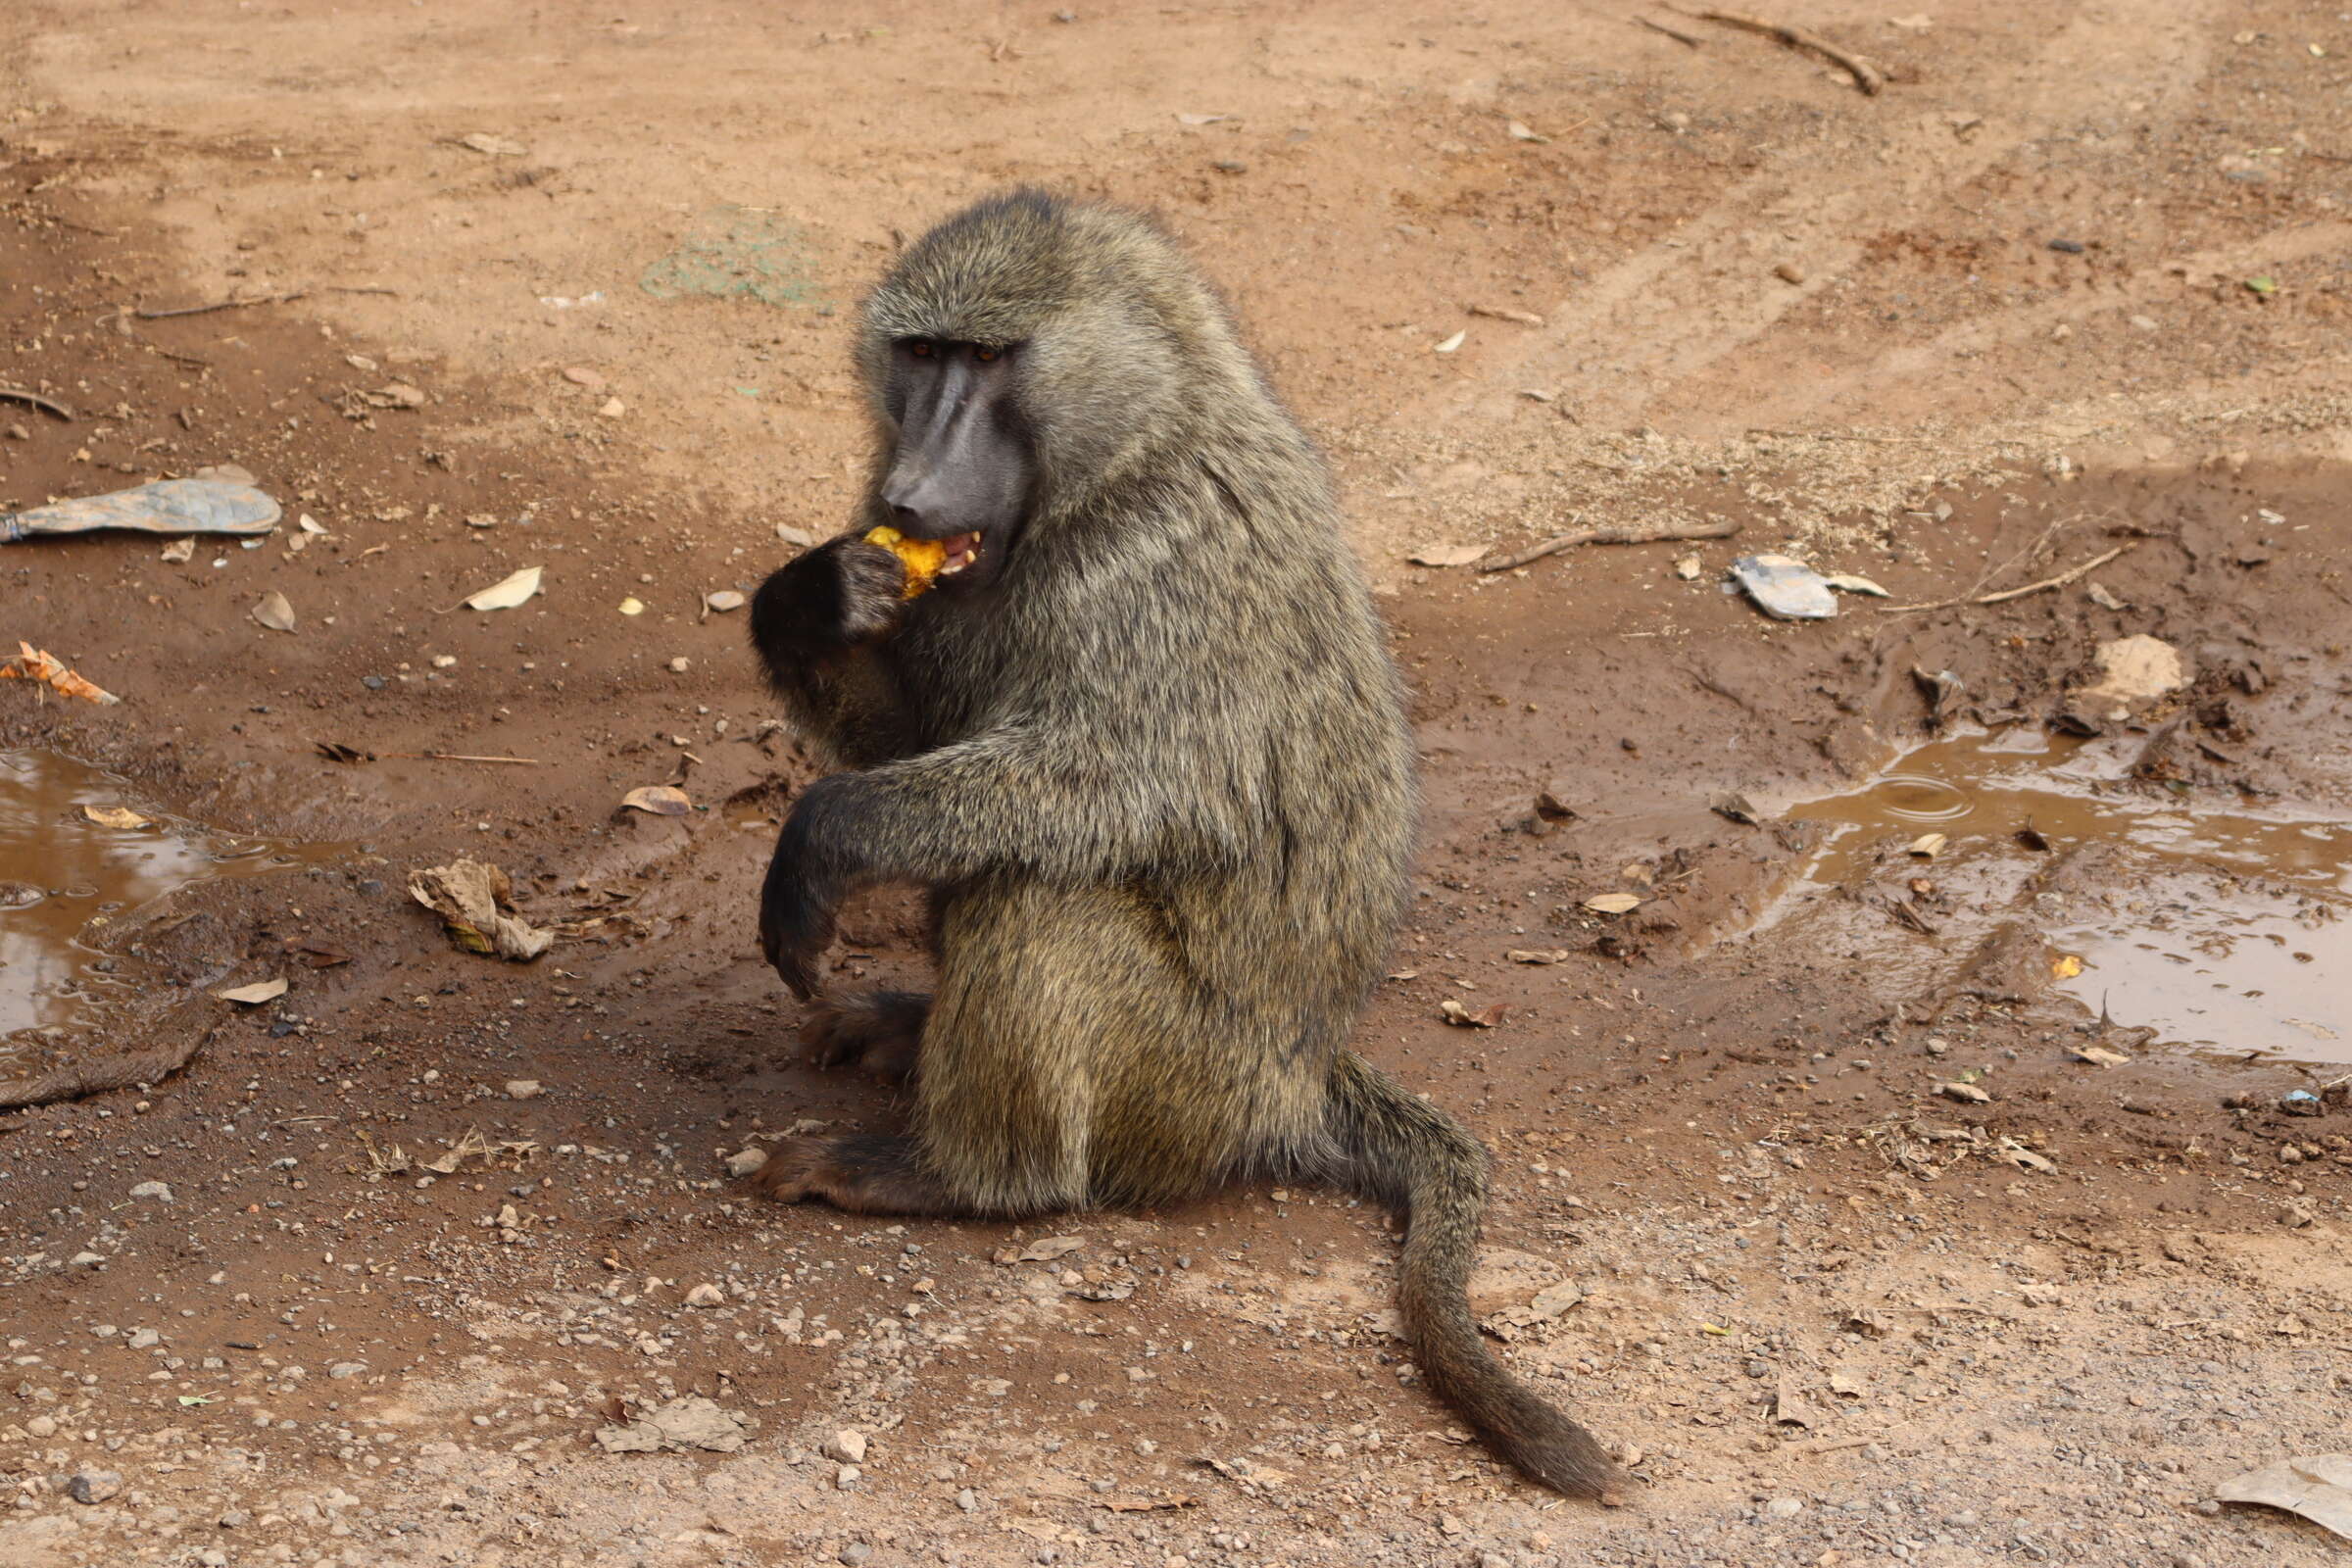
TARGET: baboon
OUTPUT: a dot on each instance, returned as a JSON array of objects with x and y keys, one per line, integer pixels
[{"x": 1142, "y": 741}]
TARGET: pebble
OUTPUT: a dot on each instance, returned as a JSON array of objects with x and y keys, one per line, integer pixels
[
  {"x": 1785, "y": 1507},
  {"x": 743, "y": 1161},
  {"x": 968, "y": 1500},
  {"x": 347, "y": 1369},
  {"x": 144, "y": 1339},
  {"x": 707, "y": 1295},
  {"x": 857, "y": 1551},
  {"x": 156, "y": 1189},
  {"x": 523, "y": 1089},
  {"x": 2069, "y": 247},
  {"x": 93, "y": 1485},
  {"x": 846, "y": 1477},
  {"x": 42, "y": 1426},
  {"x": 847, "y": 1445}
]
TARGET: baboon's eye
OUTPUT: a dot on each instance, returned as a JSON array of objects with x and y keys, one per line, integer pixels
[
  {"x": 984, "y": 354},
  {"x": 921, "y": 348}
]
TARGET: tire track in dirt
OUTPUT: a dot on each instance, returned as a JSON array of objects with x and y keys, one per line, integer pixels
[{"x": 1629, "y": 341}]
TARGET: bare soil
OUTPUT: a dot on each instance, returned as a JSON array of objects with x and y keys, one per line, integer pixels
[{"x": 1833, "y": 1314}]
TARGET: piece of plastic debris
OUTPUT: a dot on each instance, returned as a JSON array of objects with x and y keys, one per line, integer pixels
[
  {"x": 2300, "y": 1102},
  {"x": 168, "y": 506},
  {"x": 477, "y": 902},
  {"x": 33, "y": 664},
  {"x": 254, "y": 994},
  {"x": 659, "y": 800},
  {"x": 508, "y": 592},
  {"x": 1785, "y": 587},
  {"x": 2316, "y": 1486}
]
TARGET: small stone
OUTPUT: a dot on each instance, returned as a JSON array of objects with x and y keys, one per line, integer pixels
[
  {"x": 857, "y": 1551},
  {"x": 17, "y": 432},
  {"x": 2068, "y": 247},
  {"x": 743, "y": 1161},
  {"x": 93, "y": 1485},
  {"x": 144, "y": 1339},
  {"x": 1230, "y": 165},
  {"x": 42, "y": 1426},
  {"x": 347, "y": 1369},
  {"x": 612, "y": 409},
  {"x": 523, "y": 1089},
  {"x": 1791, "y": 274},
  {"x": 235, "y": 1519},
  {"x": 708, "y": 1294},
  {"x": 846, "y": 1478},
  {"x": 846, "y": 1446},
  {"x": 968, "y": 1500},
  {"x": 1785, "y": 1507},
  {"x": 159, "y": 1190},
  {"x": 581, "y": 375},
  {"x": 680, "y": 665}
]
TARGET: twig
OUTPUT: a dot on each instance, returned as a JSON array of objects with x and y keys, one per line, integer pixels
[
  {"x": 1833, "y": 435},
  {"x": 1720, "y": 529},
  {"x": 1826, "y": 1444},
  {"x": 355, "y": 288},
  {"x": 45, "y": 404},
  {"x": 1676, "y": 35},
  {"x": 2007, "y": 594},
  {"x": 220, "y": 305},
  {"x": 458, "y": 757},
  {"x": 1867, "y": 76}
]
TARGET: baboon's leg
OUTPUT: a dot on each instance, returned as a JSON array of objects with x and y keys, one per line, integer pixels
[
  {"x": 880, "y": 1031},
  {"x": 867, "y": 1173}
]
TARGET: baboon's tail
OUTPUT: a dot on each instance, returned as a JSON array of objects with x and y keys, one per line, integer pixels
[{"x": 1406, "y": 1153}]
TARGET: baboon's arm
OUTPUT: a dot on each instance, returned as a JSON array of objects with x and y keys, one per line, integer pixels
[{"x": 1014, "y": 799}]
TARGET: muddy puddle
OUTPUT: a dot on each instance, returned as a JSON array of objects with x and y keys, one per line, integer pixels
[
  {"x": 2228, "y": 930},
  {"x": 79, "y": 853}
]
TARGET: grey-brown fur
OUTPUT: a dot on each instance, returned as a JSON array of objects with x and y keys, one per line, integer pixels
[{"x": 1158, "y": 779}]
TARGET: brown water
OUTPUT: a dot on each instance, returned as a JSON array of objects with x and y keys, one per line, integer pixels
[
  {"x": 64, "y": 878},
  {"x": 2228, "y": 929}
]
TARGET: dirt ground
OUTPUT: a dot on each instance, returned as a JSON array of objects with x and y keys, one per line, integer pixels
[{"x": 1870, "y": 1263}]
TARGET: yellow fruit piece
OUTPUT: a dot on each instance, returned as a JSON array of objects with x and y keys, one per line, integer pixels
[{"x": 922, "y": 558}]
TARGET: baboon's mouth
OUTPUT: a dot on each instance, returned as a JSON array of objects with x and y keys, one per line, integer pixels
[{"x": 962, "y": 550}]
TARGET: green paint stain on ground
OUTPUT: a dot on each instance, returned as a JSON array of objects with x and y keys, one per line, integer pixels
[{"x": 737, "y": 250}]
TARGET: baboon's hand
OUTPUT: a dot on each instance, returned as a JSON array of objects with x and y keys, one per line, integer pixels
[
  {"x": 836, "y": 595},
  {"x": 800, "y": 898}
]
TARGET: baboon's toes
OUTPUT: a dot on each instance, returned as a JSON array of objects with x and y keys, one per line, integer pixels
[
  {"x": 834, "y": 1036},
  {"x": 794, "y": 1170}
]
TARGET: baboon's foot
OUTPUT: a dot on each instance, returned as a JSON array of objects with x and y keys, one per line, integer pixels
[
  {"x": 863, "y": 1174},
  {"x": 879, "y": 1031}
]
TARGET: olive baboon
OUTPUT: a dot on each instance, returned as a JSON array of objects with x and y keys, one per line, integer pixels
[{"x": 1135, "y": 727}]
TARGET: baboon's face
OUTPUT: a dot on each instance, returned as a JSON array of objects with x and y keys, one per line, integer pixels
[{"x": 963, "y": 463}]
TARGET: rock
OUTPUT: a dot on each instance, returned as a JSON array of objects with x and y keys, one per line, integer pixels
[
  {"x": 1785, "y": 1507},
  {"x": 347, "y": 1369},
  {"x": 93, "y": 1485},
  {"x": 2134, "y": 670},
  {"x": 159, "y": 1190},
  {"x": 523, "y": 1089},
  {"x": 848, "y": 1477},
  {"x": 144, "y": 1339},
  {"x": 856, "y": 1552},
  {"x": 42, "y": 1426},
  {"x": 846, "y": 1446},
  {"x": 743, "y": 1161},
  {"x": 688, "y": 1423},
  {"x": 705, "y": 1295}
]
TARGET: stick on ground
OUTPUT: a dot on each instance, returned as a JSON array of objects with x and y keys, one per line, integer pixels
[
  {"x": 1676, "y": 33},
  {"x": 45, "y": 404},
  {"x": 218, "y": 305},
  {"x": 2007, "y": 594},
  {"x": 1722, "y": 528},
  {"x": 1867, "y": 76}
]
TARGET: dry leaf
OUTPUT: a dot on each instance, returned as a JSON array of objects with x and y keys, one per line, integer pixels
[
  {"x": 659, "y": 800},
  {"x": 1447, "y": 555},
  {"x": 477, "y": 902},
  {"x": 1852, "y": 584},
  {"x": 179, "y": 551},
  {"x": 255, "y": 993},
  {"x": 482, "y": 141},
  {"x": 1462, "y": 1017},
  {"x": 1043, "y": 1250},
  {"x": 632, "y": 606},
  {"x": 1204, "y": 120},
  {"x": 1928, "y": 846},
  {"x": 508, "y": 592},
  {"x": 37, "y": 664},
  {"x": 1613, "y": 903},
  {"x": 2316, "y": 1486},
  {"x": 1453, "y": 342},
  {"x": 1967, "y": 1094},
  {"x": 113, "y": 816},
  {"x": 1520, "y": 133},
  {"x": 273, "y": 611},
  {"x": 2012, "y": 1152},
  {"x": 2101, "y": 1056}
]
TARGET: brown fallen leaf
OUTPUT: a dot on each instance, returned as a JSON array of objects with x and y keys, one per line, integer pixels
[
  {"x": 477, "y": 902},
  {"x": 658, "y": 799},
  {"x": 1966, "y": 1093},
  {"x": 1613, "y": 903},
  {"x": 1043, "y": 1250},
  {"x": 275, "y": 611},
  {"x": 1447, "y": 555},
  {"x": 254, "y": 994},
  {"x": 1462, "y": 1017},
  {"x": 120, "y": 816}
]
